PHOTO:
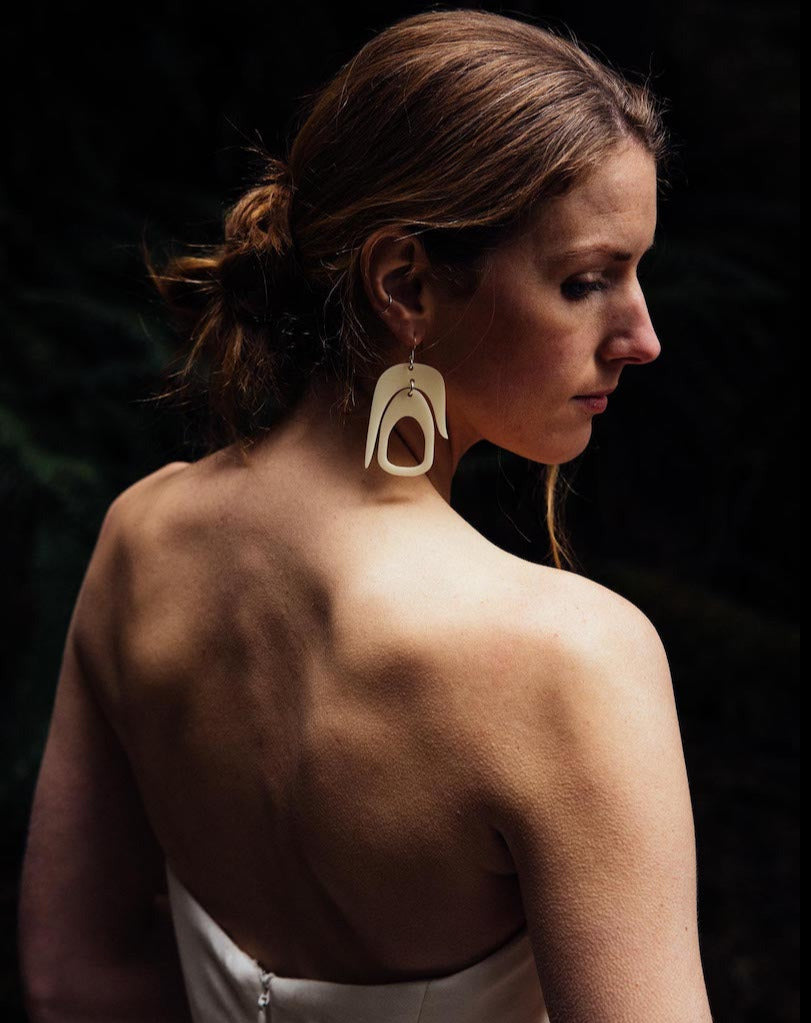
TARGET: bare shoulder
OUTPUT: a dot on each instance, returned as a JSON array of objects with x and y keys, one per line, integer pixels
[
  {"x": 99, "y": 609},
  {"x": 566, "y": 608},
  {"x": 544, "y": 652},
  {"x": 125, "y": 513},
  {"x": 581, "y": 772},
  {"x": 584, "y": 640},
  {"x": 132, "y": 505},
  {"x": 587, "y": 671}
]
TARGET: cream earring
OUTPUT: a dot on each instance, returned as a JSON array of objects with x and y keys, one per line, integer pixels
[{"x": 400, "y": 393}]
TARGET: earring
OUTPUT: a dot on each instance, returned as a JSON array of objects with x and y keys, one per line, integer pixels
[{"x": 400, "y": 392}]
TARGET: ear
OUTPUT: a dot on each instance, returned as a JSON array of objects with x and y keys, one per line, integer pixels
[{"x": 393, "y": 262}]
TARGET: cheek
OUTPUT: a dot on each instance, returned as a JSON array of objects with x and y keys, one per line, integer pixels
[
  {"x": 516, "y": 351},
  {"x": 537, "y": 352}
]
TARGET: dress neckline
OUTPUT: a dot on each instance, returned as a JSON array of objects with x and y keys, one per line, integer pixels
[{"x": 182, "y": 899}]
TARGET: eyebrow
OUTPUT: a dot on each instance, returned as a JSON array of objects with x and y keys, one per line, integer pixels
[{"x": 585, "y": 250}]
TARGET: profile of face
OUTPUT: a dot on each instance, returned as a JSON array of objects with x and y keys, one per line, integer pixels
[{"x": 559, "y": 314}]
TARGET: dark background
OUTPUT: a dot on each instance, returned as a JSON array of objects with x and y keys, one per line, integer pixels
[{"x": 684, "y": 502}]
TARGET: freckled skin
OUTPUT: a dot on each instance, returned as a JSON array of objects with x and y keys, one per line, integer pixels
[
  {"x": 514, "y": 355},
  {"x": 372, "y": 744}
]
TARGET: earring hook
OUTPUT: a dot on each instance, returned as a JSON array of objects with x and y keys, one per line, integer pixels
[
  {"x": 413, "y": 350},
  {"x": 411, "y": 365}
]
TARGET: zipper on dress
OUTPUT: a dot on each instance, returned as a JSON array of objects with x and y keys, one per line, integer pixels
[{"x": 264, "y": 979}]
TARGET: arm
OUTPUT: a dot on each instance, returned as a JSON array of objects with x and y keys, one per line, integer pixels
[
  {"x": 95, "y": 935},
  {"x": 596, "y": 812}
]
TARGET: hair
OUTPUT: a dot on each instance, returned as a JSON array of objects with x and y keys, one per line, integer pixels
[{"x": 453, "y": 125}]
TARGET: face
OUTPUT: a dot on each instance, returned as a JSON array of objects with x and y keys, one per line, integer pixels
[{"x": 560, "y": 313}]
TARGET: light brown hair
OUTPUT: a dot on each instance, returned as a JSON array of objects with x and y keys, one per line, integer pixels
[{"x": 454, "y": 125}]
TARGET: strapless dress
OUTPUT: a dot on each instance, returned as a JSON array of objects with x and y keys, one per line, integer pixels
[{"x": 226, "y": 985}]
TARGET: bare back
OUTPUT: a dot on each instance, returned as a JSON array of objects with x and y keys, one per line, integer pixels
[{"x": 296, "y": 685}]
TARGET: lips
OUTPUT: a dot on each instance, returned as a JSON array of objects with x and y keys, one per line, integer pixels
[
  {"x": 594, "y": 403},
  {"x": 597, "y": 394}
]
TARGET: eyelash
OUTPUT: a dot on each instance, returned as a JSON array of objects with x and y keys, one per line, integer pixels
[{"x": 589, "y": 286}]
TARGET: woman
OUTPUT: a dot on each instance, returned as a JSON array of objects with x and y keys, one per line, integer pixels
[{"x": 320, "y": 751}]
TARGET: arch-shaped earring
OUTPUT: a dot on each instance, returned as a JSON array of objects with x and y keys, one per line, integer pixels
[{"x": 400, "y": 392}]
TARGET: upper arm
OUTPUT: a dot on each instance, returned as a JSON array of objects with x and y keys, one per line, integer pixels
[
  {"x": 92, "y": 867},
  {"x": 596, "y": 812}
]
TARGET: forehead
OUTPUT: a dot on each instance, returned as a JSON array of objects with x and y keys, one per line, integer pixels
[{"x": 615, "y": 205}]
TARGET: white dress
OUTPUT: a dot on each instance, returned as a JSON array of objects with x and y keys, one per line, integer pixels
[{"x": 226, "y": 985}]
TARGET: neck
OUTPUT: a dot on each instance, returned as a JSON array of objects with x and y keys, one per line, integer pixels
[{"x": 341, "y": 438}]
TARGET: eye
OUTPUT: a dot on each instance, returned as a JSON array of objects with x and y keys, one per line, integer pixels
[{"x": 575, "y": 291}]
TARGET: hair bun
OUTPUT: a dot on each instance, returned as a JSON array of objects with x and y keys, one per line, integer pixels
[
  {"x": 253, "y": 265},
  {"x": 260, "y": 220}
]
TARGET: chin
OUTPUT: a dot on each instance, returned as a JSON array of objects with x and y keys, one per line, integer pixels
[{"x": 564, "y": 449}]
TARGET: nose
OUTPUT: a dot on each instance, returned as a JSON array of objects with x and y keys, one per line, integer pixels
[{"x": 635, "y": 341}]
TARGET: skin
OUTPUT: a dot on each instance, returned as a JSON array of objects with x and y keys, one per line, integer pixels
[
  {"x": 536, "y": 333},
  {"x": 352, "y": 644}
]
